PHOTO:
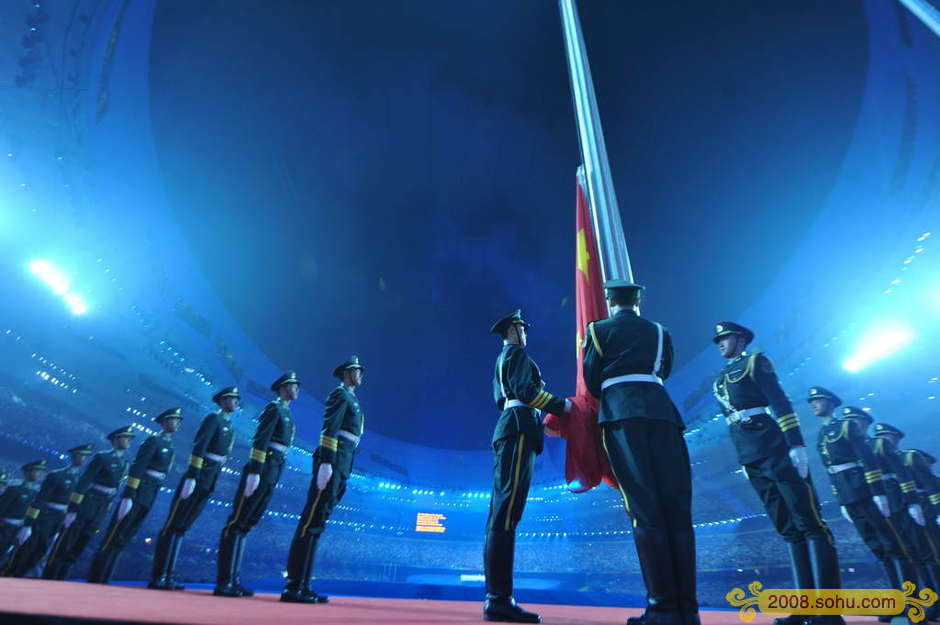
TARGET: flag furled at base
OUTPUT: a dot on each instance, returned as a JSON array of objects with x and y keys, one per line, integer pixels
[{"x": 585, "y": 461}]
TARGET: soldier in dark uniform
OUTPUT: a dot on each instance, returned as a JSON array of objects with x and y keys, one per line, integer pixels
[
  {"x": 272, "y": 440},
  {"x": 519, "y": 392},
  {"x": 928, "y": 490},
  {"x": 15, "y": 501},
  {"x": 343, "y": 424},
  {"x": 857, "y": 483},
  {"x": 907, "y": 515},
  {"x": 153, "y": 461},
  {"x": 773, "y": 455},
  {"x": 626, "y": 359},
  {"x": 89, "y": 503},
  {"x": 213, "y": 443},
  {"x": 45, "y": 515}
]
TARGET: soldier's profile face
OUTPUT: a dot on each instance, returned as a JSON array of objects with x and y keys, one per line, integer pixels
[
  {"x": 230, "y": 404},
  {"x": 171, "y": 424},
  {"x": 79, "y": 459},
  {"x": 122, "y": 442},
  {"x": 292, "y": 389},
  {"x": 821, "y": 407},
  {"x": 520, "y": 333},
  {"x": 34, "y": 475},
  {"x": 355, "y": 376},
  {"x": 727, "y": 345}
]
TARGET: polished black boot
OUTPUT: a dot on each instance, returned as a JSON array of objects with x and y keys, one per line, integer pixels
[
  {"x": 223, "y": 583},
  {"x": 653, "y": 550},
  {"x": 825, "y": 565},
  {"x": 299, "y": 571},
  {"x": 171, "y": 563},
  {"x": 802, "y": 574},
  {"x": 498, "y": 556},
  {"x": 102, "y": 566},
  {"x": 161, "y": 556},
  {"x": 506, "y": 610},
  {"x": 238, "y": 553}
]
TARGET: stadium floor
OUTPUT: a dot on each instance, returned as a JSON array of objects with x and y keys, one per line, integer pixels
[{"x": 40, "y": 602}]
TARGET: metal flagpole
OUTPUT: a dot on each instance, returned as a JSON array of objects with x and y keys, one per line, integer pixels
[
  {"x": 602, "y": 200},
  {"x": 926, "y": 12}
]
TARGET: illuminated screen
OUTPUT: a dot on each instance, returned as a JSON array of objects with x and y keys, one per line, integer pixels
[{"x": 430, "y": 522}]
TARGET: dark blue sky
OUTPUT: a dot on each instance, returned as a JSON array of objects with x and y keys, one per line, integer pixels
[{"x": 387, "y": 178}]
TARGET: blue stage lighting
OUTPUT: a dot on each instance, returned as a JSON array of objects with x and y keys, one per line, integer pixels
[
  {"x": 877, "y": 342},
  {"x": 58, "y": 281}
]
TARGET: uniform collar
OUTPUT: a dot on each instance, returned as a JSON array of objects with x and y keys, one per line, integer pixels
[{"x": 626, "y": 311}]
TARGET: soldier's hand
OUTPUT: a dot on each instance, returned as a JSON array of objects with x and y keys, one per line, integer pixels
[
  {"x": 917, "y": 513},
  {"x": 845, "y": 513},
  {"x": 550, "y": 432},
  {"x": 23, "y": 535},
  {"x": 251, "y": 484},
  {"x": 324, "y": 473},
  {"x": 882, "y": 502},
  {"x": 189, "y": 485},
  {"x": 799, "y": 460},
  {"x": 938, "y": 519},
  {"x": 69, "y": 519},
  {"x": 124, "y": 507}
]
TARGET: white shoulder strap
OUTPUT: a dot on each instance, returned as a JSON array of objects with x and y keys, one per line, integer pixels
[{"x": 659, "y": 349}]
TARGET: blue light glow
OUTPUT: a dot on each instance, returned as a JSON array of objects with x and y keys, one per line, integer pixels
[
  {"x": 878, "y": 342},
  {"x": 58, "y": 281}
]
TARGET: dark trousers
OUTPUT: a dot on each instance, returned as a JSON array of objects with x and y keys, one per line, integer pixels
[
  {"x": 876, "y": 530},
  {"x": 73, "y": 541},
  {"x": 790, "y": 501},
  {"x": 316, "y": 511},
  {"x": 7, "y": 539},
  {"x": 183, "y": 513},
  {"x": 650, "y": 461},
  {"x": 514, "y": 459},
  {"x": 30, "y": 553},
  {"x": 116, "y": 538}
]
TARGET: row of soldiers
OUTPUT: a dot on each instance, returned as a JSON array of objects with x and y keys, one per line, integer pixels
[{"x": 58, "y": 514}]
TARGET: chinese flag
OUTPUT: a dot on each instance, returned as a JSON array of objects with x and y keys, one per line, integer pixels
[{"x": 585, "y": 460}]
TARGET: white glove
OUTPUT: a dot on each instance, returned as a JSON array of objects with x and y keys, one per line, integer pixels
[
  {"x": 567, "y": 406},
  {"x": 324, "y": 473},
  {"x": 799, "y": 460},
  {"x": 938, "y": 519},
  {"x": 69, "y": 519},
  {"x": 251, "y": 483},
  {"x": 845, "y": 513},
  {"x": 23, "y": 535},
  {"x": 744, "y": 473},
  {"x": 882, "y": 502},
  {"x": 124, "y": 507},
  {"x": 551, "y": 432},
  {"x": 917, "y": 513},
  {"x": 189, "y": 485}
]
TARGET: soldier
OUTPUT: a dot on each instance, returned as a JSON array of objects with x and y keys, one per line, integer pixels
[
  {"x": 15, "y": 501},
  {"x": 45, "y": 515},
  {"x": 928, "y": 490},
  {"x": 519, "y": 392},
  {"x": 213, "y": 443},
  {"x": 626, "y": 359},
  {"x": 151, "y": 464},
  {"x": 272, "y": 440},
  {"x": 89, "y": 503},
  {"x": 773, "y": 456},
  {"x": 343, "y": 423},
  {"x": 907, "y": 515},
  {"x": 857, "y": 483}
]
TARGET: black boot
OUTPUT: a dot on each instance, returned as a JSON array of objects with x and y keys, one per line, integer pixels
[
  {"x": 802, "y": 574},
  {"x": 659, "y": 575},
  {"x": 238, "y": 553},
  {"x": 505, "y": 609},
  {"x": 825, "y": 565},
  {"x": 929, "y": 579},
  {"x": 683, "y": 554},
  {"x": 223, "y": 583},
  {"x": 161, "y": 556},
  {"x": 498, "y": 556},
  {"x": 299, "y": 571},
  {"x": 171, "y": 563},
  {"x": 102, "y": 566}
]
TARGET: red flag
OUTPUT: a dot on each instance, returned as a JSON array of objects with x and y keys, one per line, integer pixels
[{"x": 585, "y": 460}]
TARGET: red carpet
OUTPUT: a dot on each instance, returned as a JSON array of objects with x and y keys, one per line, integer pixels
[{"x": 28, "y": 600}]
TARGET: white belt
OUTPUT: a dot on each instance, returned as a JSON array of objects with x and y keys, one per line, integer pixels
[
  {"x": 107, "y": 490},
  {"x": 845, "y": 466},
  {"x": 61, "y": 507},
  {"x": 349, "y": 436},
  {"x": 745, "y": 415},
  {"x": 632, "y": 377},
  {"x": 16, "y": 522},
  {"x": 278, "y": 447},
  {"x": 155, "y": 474},
  {"x": 514, "y": 403},
  {"x": 214, "y": 457}
]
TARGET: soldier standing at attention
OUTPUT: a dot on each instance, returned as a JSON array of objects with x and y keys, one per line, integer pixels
[
  {"x": 151, "y": 465},
  {"x": 272, "y": 440},
  {"x": 89, "y": 503},
  {"x": 519, "y": 392},
  {"x": 773, "y": 456},
  {"x": 15, "y": 501},
  {"x": 626, "y": 359},
  {"x": 213, "y": 443},
  {"x": 343, "y": 423},
  {"x": 45, "y": 515}
]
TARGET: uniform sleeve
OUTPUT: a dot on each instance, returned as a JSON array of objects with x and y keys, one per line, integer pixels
[
  {"x": 203, "y": 437},
  {"x": 333, "y": 414},
  {"x": 873, "y": 475},
  {"x": 593, "y": 365},
  {"x": 139, "y": 467},
  {"x": 905, "y": 480},
  {"x": 762, "y": 372},
  {"x": 45, "y": 492},
  {"x": 84, "y": 483},
  {"x": 6, "y": 500},
  {"x": 259, "y": 446},
  {"x": 519, "y": 379},
  {"x": 665, "y": 370}
]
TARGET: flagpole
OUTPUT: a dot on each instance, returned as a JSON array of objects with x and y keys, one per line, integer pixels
[
  {"x": 925, "y": 12},
  {"x": 602, "y": 199}
]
